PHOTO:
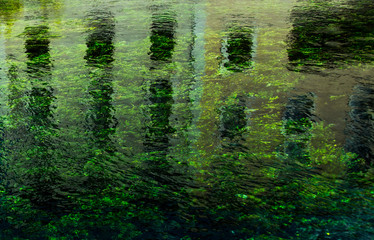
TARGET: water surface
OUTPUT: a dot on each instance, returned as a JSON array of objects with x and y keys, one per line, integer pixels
[{"x": 186, "y": 119}]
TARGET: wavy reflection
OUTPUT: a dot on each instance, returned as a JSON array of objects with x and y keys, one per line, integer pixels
[
  {"x": 237, "y": 48},
  {"x": 326, "y": 33},
  {"x": 42, "y": 174},
  {"x": 160, "y": 92},
  {"x": 233, "y": 121},
  {"x": 101, "y": 121},
  {"x": 9, "y": 10},
  {"x": 161, "y": 169},
  {"x": 298, "y": 118},
  {"x": 99, "y": 56},
  {"x": 360, "y": 129},
  {"x": 162, "y": 36},
  {"x": 157, "y": 134}
]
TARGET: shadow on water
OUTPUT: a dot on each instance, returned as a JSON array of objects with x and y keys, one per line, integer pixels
[
  {"x": 327, "y": 34},
  {"x": 360, "y": 128}
]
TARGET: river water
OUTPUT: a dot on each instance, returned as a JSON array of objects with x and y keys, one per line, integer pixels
[{"x": 218, "y": 119}]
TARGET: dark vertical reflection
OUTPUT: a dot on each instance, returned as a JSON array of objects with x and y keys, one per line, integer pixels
[
  {"x": 162, "y": 36},
  {"x": 238, "y": 48},
  {"x": 160, "y": 90},
  {"x": 157, "y": 134},
  {"x": 165, "y": 174},
  {"x": 233, "y": 121},
  {"x": 360, "y": 129},
  {"x": 41, "y": 172},
  {"x": 298, "y": 118},
  {"x": 101, "y": 119},
  {"x": 326, "y": 33}
]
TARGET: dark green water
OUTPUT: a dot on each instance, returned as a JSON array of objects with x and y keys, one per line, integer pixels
[{"x": 186, "y": 119}]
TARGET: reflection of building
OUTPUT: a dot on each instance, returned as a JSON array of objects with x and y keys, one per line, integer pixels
[
  {"x": 160, "y": 93},
  {"x": 360, "y": 127},
  {"x": 38, "y": 70},
  {"x": 298, "y": 118},
  {"x": 144, "y": 60},
  {"x": 237, "y": 48},
  {"x": 100, "y": 120},
  {"x": 233, "y": 121},
  {"x": 171, "y": 87},
  {"x": 162, "y": 36},
  {"x": 229, "y": 48},
  {"x": 43, "y": 174},
  {"x": 326, "y": 34},
  {"x": 31, "y": 128},
  {"x": 99, "y": 56}
]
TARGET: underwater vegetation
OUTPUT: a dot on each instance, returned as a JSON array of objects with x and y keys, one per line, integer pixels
[
  {"x": 327, "y": 34},
  {"x": 298, "y": 118},
  {"x": 154, "y": 120},
  {"x": 361, "y": 123},
  {"x": 162, "y": 36},
  {"x": 238, "y": 48}
]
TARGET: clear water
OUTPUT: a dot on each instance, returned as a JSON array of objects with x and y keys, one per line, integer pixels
[{"x": 187, "y": 119}]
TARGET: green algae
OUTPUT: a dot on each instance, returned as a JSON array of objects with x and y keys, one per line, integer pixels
[{"x": 110, "y": 127}]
